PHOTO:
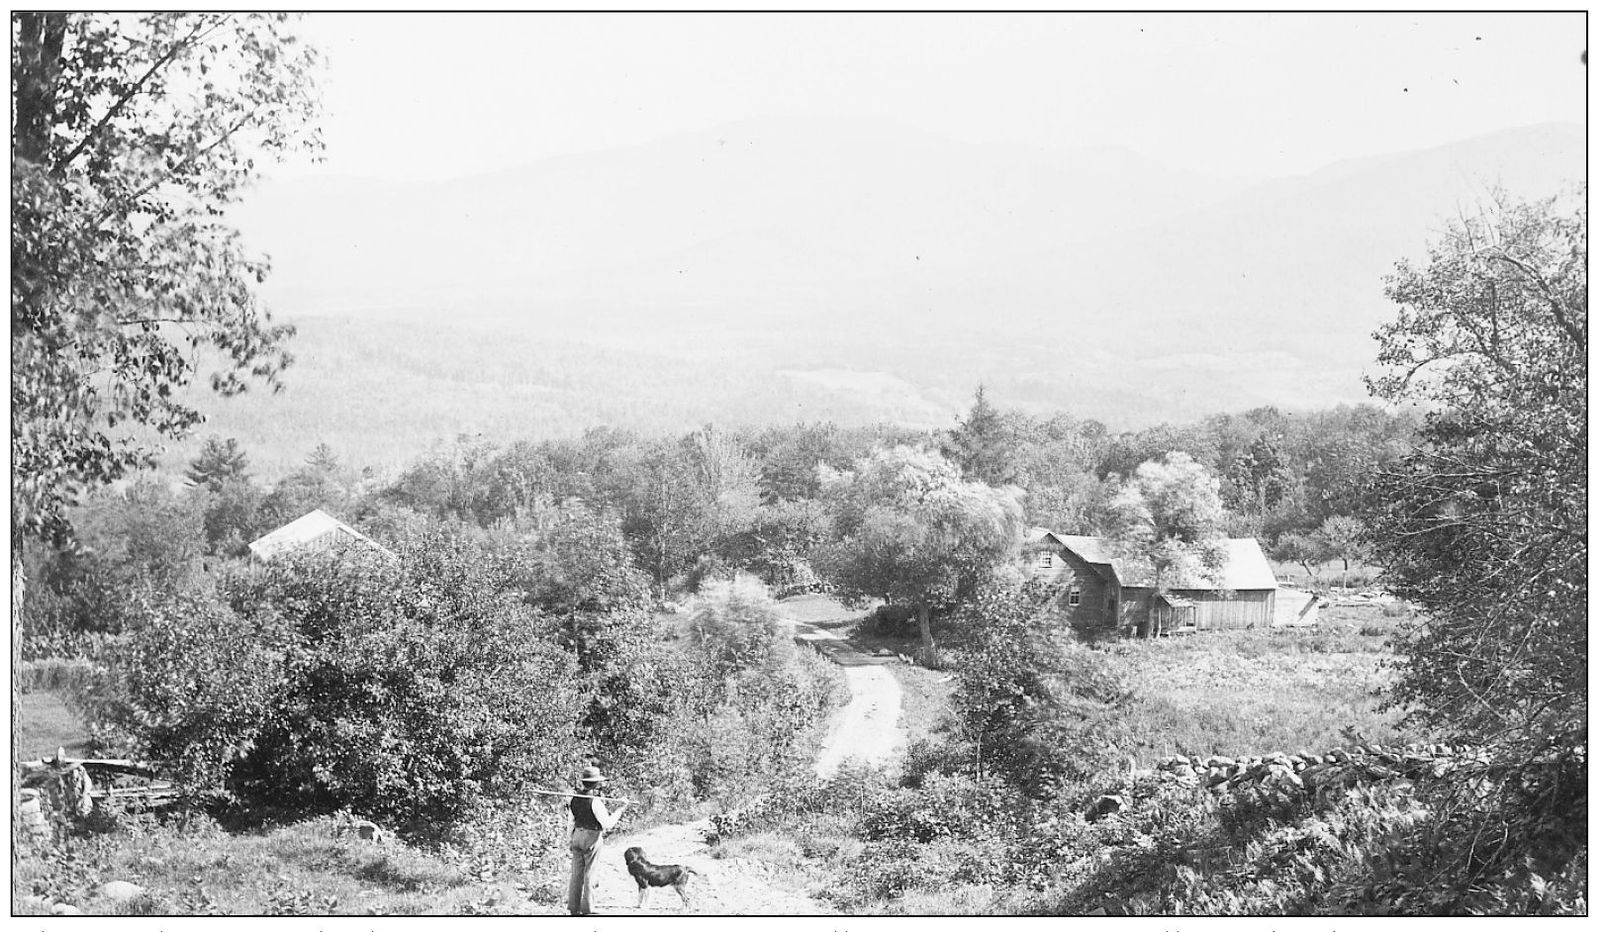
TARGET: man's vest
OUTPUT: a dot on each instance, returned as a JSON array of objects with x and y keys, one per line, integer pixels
[{"x": 580, "y": 808}]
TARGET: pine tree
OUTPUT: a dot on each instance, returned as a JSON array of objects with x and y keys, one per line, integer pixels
[{"x": 221, "y": 462}]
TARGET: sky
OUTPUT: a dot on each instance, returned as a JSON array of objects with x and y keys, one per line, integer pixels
[{"x": 414, "y": 96}]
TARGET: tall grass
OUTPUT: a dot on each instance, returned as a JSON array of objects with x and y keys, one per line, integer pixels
[
  {"x": 1262, "y": 690},
  {"x": 318, "y": 867},
  {"x": 53, "y": 674}
]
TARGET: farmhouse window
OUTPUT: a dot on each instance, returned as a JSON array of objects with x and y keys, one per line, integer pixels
[
  {"x": 1046, "y": 559},
  {"x": 1073, "y": 596}
]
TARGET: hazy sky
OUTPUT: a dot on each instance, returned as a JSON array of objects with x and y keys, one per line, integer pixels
[{"x": 440, "y": 95}]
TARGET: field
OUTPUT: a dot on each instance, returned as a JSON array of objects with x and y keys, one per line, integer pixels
[
  {"x": 1264, "y": 690},
  {"x": 43, "y": 723},
  {"x": 1228, "y": 692}
]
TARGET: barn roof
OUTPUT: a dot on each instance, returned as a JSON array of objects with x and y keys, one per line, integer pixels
[
  {"x": 1245, "y": 566},
  {"x": 304, "y": 530}
]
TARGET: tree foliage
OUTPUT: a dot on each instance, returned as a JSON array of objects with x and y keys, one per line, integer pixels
[
  {"x": 1170, "y": 515},
  {"x": 1039, "y": 708},
  {"x": 909, "y": 529},
  {"x": 130, "y": 136},
  {"x": 221, "y": 461},
  {"x": 1483, "y": 524},
  {"x": 411, "y": 690},
  {"x": 984, "y": 444}
]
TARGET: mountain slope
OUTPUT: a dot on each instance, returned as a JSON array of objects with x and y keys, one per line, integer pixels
[{"x": 851, "y": 269}]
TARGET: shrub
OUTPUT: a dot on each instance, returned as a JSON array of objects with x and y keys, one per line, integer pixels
[
  {"x": 191, "y": 686},
  {"x": 1039, "y": 708},
  {"x": 411, "y": 691},
  {"x": 736, "y": 625},
  {"x": 942, "y": 807}
]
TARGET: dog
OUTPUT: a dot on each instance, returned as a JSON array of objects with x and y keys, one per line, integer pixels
[{"x": 647, "y": 874}]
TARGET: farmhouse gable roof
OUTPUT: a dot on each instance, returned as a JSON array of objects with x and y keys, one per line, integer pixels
[{"x": 1244, "y": 567}]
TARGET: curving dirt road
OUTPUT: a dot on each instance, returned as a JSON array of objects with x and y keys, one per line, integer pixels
[{"x": 865, "y": 729}]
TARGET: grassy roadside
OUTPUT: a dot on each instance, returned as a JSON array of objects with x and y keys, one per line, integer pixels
[{"x": 316, "y": 867}]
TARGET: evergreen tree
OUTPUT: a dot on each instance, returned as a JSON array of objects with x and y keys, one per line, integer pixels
[
  {"x": 984, "y": 444},
  {"x": 221, "y": 461}
]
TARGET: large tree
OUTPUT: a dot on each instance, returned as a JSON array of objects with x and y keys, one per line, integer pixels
[
  {"x": 1483, "y": 524},
  {"x": 1169, "y": 517},
  {"x": 911, "y": 530},
  {"x": 131, "y": 134}
]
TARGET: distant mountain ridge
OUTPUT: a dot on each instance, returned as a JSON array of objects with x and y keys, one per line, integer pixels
[{"x": 1088, "y": 279}]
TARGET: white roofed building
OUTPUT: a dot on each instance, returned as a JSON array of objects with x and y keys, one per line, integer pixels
[{"x": 315, "y": 530}]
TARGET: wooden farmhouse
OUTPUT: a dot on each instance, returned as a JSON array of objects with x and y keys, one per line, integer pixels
[
  {"x": 1098, "y": 587},
  {"x": 315, "y": 530}
]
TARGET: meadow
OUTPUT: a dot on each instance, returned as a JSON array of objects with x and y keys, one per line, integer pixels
[{"x": 1267, "y": 689}]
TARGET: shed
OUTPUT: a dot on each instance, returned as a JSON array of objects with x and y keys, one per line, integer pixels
[{"x": 315, "y": 530}]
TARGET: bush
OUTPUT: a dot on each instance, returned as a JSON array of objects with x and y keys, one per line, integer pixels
[
  {"x": 891, "y": 621},
  {"x": 1039, "y": 709},
  {"x": 736, "y": 625},
  {"x": 942, "y": 807},
  {"x": 191, "y": 686},
  {"x": 411, "y": 690}
]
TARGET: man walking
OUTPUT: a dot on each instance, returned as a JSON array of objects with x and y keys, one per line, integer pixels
[{"x": 592, "y": 819}]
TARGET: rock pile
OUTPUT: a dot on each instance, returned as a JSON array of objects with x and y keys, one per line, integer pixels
[{"x": 1339, "y": 768}]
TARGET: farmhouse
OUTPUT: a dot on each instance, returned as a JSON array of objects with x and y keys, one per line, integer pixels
[
  {"x": 1099, "y": 587},
  {"x": 315, "y": 530}
]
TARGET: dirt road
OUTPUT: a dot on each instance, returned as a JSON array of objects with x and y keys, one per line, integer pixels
[{"x": 864, "y": 729}]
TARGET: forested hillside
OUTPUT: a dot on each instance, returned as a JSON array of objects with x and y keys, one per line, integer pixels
[{"x": 749, "y": 274}]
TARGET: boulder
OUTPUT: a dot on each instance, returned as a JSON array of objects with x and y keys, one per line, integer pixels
[
  {"x": 1104, "y": 806},
  {"x": 119, "y": 890},
  {"x": 368, "y": 831},
  {"x": 65, "y": 909}
]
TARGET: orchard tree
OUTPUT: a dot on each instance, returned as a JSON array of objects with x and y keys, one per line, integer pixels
[
  {"x": 909, "y": 529},
  {"x": 1344, "y": 536},
  {"x": 1308, "y": 550},
  {"x": 1169, "y": 517},
  {"x": 1483, "y": 524}
]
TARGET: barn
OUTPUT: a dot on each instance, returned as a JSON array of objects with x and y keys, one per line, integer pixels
[
  {"x": 1097, "y": 587},
  {"x": 315, "y": 530}
]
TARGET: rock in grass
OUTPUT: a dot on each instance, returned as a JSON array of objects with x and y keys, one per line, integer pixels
[
  {"x": 1104, "y": 806},
  {"x": 119, "y": 890},
  {"x": 65, "y": 909},
  {"x": 368, "y": 831}
]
